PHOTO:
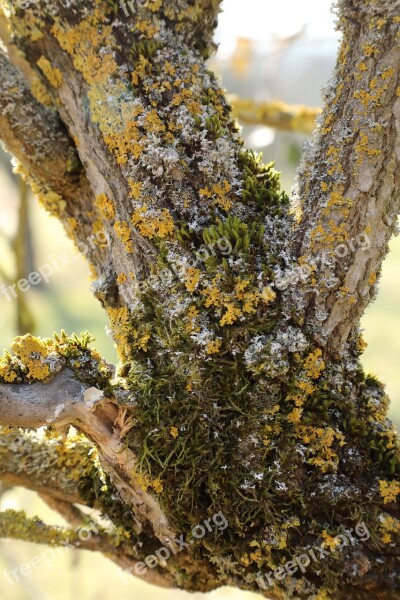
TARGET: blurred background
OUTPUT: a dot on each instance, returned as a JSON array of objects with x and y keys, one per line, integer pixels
[{"x": 267, "y": 53}]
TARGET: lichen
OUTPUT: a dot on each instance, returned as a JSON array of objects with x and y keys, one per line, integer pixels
[
  {"x": 240, "y": 409},
  {"x": 35, "y": 359},
  {"x": 32, "y": 353},
  {"x": 389, "y": 490},
  {"x": 53, "y": 74}
]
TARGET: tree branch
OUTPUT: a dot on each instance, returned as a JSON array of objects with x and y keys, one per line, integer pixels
[
  {"x": 37, "y": 464},
  {"x": 110, "y": 546},
  {"x": 64, "y": 399},
  {"x": 41, "y": 464},
  {"x": 35, "y": 135},
  {"x": 233, "y": 407},
  {"x": 349, "y": 183},
  {"x": 16, "y": 525},
  {"x": 279, "y": 115},
  {"x": 32, "y": 405},
  {"x": 71, "y": 513}
]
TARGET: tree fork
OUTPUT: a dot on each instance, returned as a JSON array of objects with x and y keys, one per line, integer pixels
[{"x": 239, "y": 401}]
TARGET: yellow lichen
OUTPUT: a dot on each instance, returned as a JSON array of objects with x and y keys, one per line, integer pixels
[
  {"x": 268, "y": 294},
  {"x": 389, "y": 490},
  {"x": 205, "y": 192},
  {"x": 323, "y": 594},
  {"x": 363, "y": 147},
  {"x": 142, "y": 342},
  {"x": 39, "y": 91},
  {"x": 174, "y": 432},
  {"x": 388, "y": 73},
  {"x": 153, "y": 223},
  {"x": 29, "y": 25},
  {"x": 295, "y": 415},
  {"x": 214, "y": 346},
  {"x": 242, "y": 300},
  {"x": 329, "y": 234},
  {"x": 231, "y": 315},
  {"x": 154, "y": 5},
  {"x": 157, "y": 485},
  {"x": 314, "y": 364},
  {"x": 51, "y": 201},
  {"x": 100, "y": 235},
  {"x": 148, "y": 28},
  {"x": 105, "y": 206},
  {"x": 136, "y": 187},
  {"x": 192, "y": 278},
  {"x": 121, "y": 328},
  {"x": 329, "y": 541},
  {"x": 6, "y": 371},
  {"x": 192, "y": 315},
  {"x": 32, "y": 351},
  {"x": 53, "y": 74},
  {"x": 319, "y": 442},
  {"x": 361, "y": 343},
  {"x": 388, "y": 525},
  {"x": 220, "y": 191},
  {"x": 369, "y": 50},
  {"x": 153, "y": 123},
  {"x": 124, "y": 233}
]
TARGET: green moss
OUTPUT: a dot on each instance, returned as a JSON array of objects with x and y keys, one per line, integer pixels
[
  {"x": 220, "y": 461},
  {"x": 145, "y": 48},
  {"x": 236, "y": 415},
  {"x": 261, "y": 182},
  {"x": 241, "y": 236},
  {"x": 214, "y": 127}
]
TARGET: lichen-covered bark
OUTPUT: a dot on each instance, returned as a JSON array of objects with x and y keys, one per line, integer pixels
[
  {"x": 33, "y": 132},
  {"x": 348, "y": 183},
  {"x": 235, "y": 395}
]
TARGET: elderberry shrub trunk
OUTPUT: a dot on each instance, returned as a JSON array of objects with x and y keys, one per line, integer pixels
[{"x": 240, "y": 391}]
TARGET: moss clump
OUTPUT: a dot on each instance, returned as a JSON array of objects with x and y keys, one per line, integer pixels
[
  {"x": 261, "y": 183},
  {"x": 241, "y": 236},
  {"x": 145, "y": 48}
]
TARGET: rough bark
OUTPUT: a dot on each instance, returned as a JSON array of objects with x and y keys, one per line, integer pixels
[
  {"x": 348, "y": 184},
  {"x": 240, "y": 390}
]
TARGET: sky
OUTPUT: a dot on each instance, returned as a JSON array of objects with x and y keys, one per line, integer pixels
[{"x": 283, "y": 18}]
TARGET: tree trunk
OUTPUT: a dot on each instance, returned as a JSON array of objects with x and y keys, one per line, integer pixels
[{"x": 241, "y": 412}]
